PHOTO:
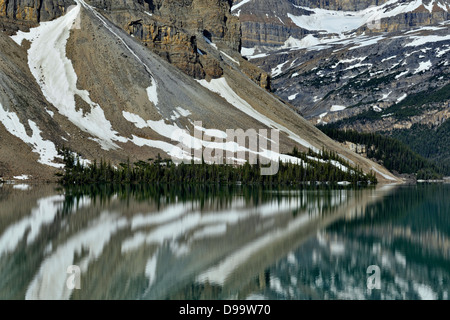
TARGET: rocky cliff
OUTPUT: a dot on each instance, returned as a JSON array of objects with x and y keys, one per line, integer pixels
[
  {"x": 182, "y": 32},
  {"x": 265, "y": 23},
  {"x": 172, "y": 29},
  {"x": 270, "y": 23},
  {"x": 22, "y": 14}
]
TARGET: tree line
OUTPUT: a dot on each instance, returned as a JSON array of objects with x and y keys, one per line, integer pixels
[
  {"x": 394, "y": 155},
  {"x": 314, "y": 167}
]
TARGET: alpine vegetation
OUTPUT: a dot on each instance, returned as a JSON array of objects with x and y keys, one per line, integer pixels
[{"x": 310, "y": 169}]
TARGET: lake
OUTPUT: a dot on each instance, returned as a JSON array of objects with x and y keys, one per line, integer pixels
[{"x": 228, "y": 242}]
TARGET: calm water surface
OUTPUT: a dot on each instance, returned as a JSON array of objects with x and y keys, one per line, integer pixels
[{"x": 224, "y": 243}]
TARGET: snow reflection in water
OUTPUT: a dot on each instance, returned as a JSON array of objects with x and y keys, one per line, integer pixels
[{"x": 147, "y": 245}]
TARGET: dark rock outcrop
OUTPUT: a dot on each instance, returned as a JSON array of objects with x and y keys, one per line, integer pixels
[
  {"x": 266, "y": 22},
  {"x": 172, "y": 28},
  {"x": 22, "y": 14}
]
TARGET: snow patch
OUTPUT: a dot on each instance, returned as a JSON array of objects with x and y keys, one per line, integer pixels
[
  {"x": 152, "y": 93},
  {"x": 337, "y": 108},
  {"x": 240, "y": 4},
  {"x": 221, "y": 87},
  {"x": 440, "y": 51},
  {"x": 219, "y": 273},
  {"x": 45, "y": 148},
  {"x": 404, "y": 73},
  {"x": 387, "y": 59},
  {"x": 56, "y": 76},
  {"x": 333, "y": 21},
  {"x": 423, "y": 66},
  {"x": 134, "y": 118},
  {"x": 210, "y": 43},
  {"x": 306, "y": 42},
  {"x": 234, "y": 60},
  {"x": 376, "y": 109},
  {"x": 403, "y": 97},
  {"x": 337, "y": 248},
  {"x": 30, "y": 226},
  {"x": 173, "y": 132},
  {"x": 183, "y": 112},
  {"x": 386, "y": 95},
  {"x": 400, "y": 258},
  {"x": 292, "y": 97},
  {"x": 50, "y": 281},
  {"x": 210, "y": 231},
  {"x": 425, "y": 292},
  {"x": 150, "y": 269},
  {"x": 278, "y": 69},
  {"x": 310, "y": 42},
  {"x": 421, "y": 40},
  {"x": 364, "y": 42},
  {"x": 179, "y": 112},
  {"x": 320, "y": 120},
  {"x": 247, "y": 51},
  {"x": 51, "y": 113},
  {"x": 347, "y": 61}
]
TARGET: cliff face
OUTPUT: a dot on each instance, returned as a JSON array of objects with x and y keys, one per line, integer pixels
[
  {"x": 265, "y": 22},
  {"x": 192, "y": 16},
  {"x": 22, "y": 14},
  {"x": 171, "y": 28},
  {"x": 269, "y": 23},
  {"x": 345, "y": 5}
]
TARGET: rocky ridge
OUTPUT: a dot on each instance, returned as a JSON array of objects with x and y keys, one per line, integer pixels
[{"x": 271, "y": 23}]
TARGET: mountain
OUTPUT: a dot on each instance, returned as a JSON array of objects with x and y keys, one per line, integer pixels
[
  {"x": 274, "y": 23},
  {"x": 119, "y": 80},
  {"x": 372, "y": 66}
]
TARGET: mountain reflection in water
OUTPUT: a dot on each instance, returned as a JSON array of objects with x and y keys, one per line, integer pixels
[{"x": 156, "y": 242}]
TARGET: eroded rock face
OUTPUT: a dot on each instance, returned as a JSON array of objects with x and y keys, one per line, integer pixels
[
  {"x": 192, "y": 16},
  {"x": 171, "y": 43},
  {"x": 265, "y": 23},
  {"x": 258, "y": 76},
  {"x": 268, "y": 23},
  {"x": 346, "y": 5},
  {"x": 22, "y": 14},
  {"x": 172, "y": 28}
]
